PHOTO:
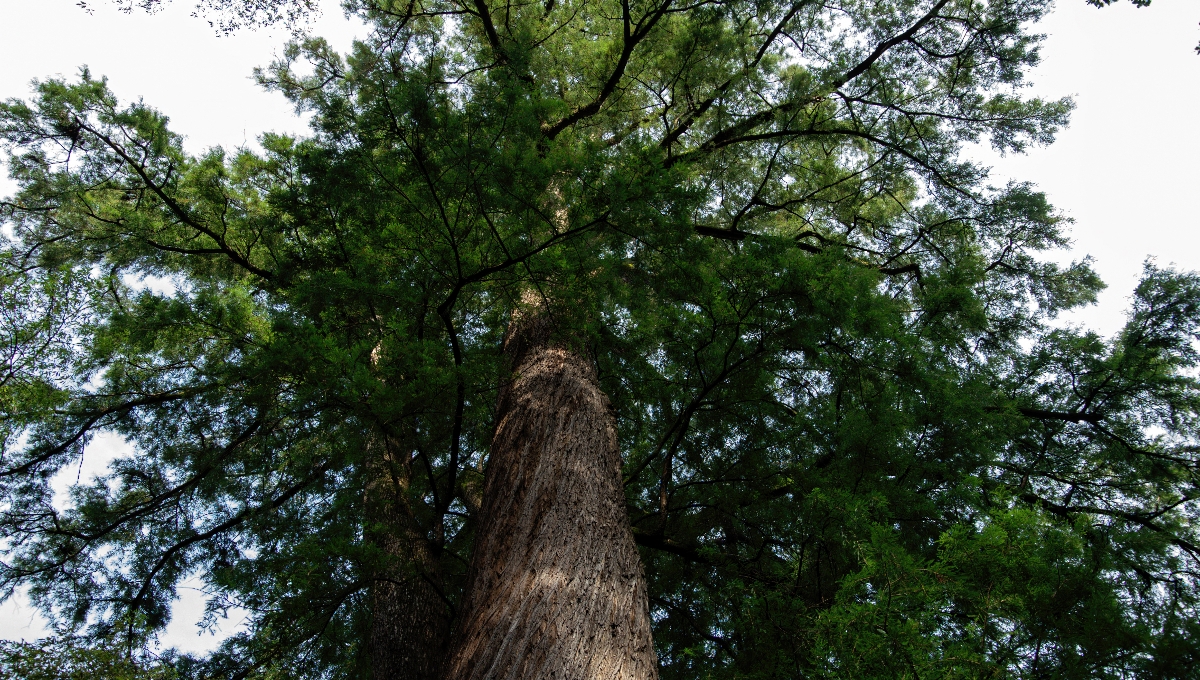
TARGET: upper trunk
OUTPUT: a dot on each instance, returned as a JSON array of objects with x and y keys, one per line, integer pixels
[
  {"x": 555, "y": 587},
  {"x": 410, "y": 622}
]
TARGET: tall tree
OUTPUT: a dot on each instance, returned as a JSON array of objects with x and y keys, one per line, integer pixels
[{"x": 553, "y": 281}]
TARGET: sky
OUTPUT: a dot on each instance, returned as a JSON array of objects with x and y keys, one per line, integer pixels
[
  {"x": 1126, "y": 170},
  {"x": 178, "y": 64}
]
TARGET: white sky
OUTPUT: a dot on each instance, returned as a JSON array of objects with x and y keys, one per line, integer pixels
[
  {"x": 203, "y": 82},
  {"x": 1127, "y": 169}
]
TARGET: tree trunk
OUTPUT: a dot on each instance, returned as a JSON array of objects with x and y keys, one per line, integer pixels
[
  {"x": 555, "y": 588},
  {"x": 410, "y": 623}
]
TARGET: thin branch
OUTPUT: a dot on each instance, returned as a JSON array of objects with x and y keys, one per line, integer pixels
[{"x": 630, "y": 40}]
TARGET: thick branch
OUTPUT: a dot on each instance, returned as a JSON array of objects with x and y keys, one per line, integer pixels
[
  {"x": 489, "y": 28},
  {"x": 886, "y": 45},
  {"x": 1042, "y": 414},
  {"x": 726, "y": 234}
]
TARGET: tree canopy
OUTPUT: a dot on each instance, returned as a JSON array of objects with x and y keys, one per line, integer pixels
[{"x": 855, "y": 441}]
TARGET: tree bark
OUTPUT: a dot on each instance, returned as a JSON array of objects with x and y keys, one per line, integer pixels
[
  {"x": 555, "y": 588},
  {"x": 410, "y": 622}
]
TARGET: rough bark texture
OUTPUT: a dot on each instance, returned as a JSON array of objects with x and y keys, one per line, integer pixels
[
  {"x": 555, "y": 587},
  {"x": 410, "y": 623}
]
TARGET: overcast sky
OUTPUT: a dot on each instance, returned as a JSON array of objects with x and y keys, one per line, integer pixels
[{"x": 1127, "y": 169}]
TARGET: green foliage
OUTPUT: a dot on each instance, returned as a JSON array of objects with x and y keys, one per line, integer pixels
[
  {"x": 855, "y": 444},
  {"x": 65, "y": 659},
  {"x": 228, "y": 16}
]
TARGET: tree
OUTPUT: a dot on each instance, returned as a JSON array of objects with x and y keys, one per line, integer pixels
[
  {"x": 68, "y": 660},
  {"x": 228, "y": 16},
  {"x": 577, "y": 323}
]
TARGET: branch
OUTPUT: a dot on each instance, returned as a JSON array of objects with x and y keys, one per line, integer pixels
[
  {"x": 738, "y": 236},
  {"x": 1041, "y": 414},
  {"x": 174, "y": 207},
  {"x": 152, "y": 504},
  {"x": 95, "y": 417},
  {"x": 220, "y": 528},
  {"x": 886, "y": 45},
  {"x": 733, "y": 133},
  {"x": 660, "y": 542},
  {"x": 630, "y": 41},
  {"x": 669, "y": 138},
  {"x": 726, "y": 234},
  {"x": 911, "y": 267},
  {"x": 489, "y": 28},
  {"x": 1139, "y": 519}
]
